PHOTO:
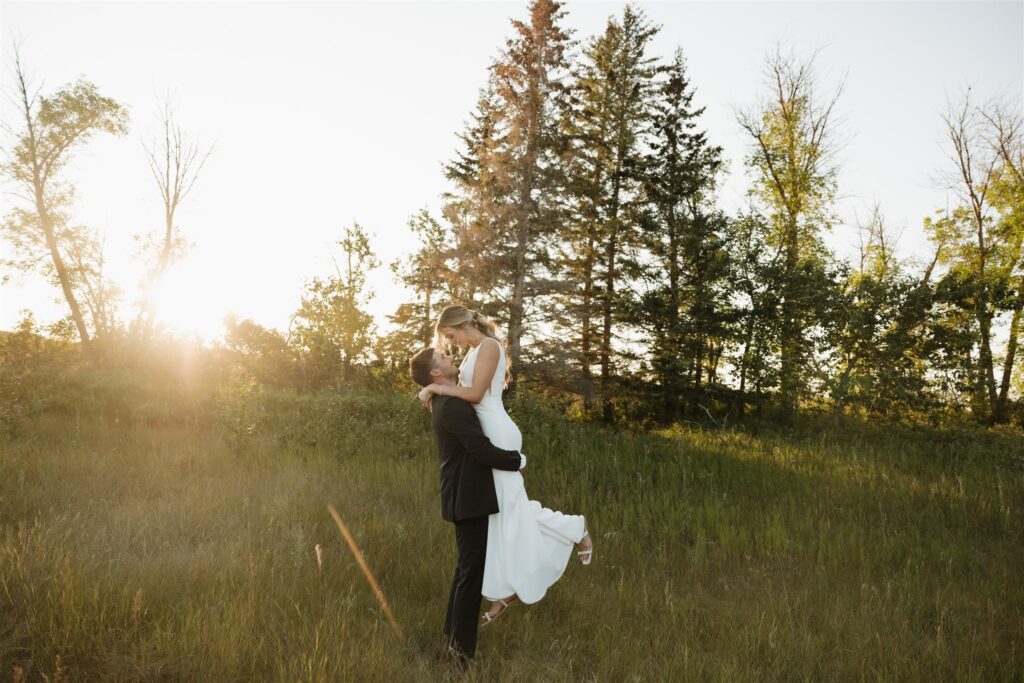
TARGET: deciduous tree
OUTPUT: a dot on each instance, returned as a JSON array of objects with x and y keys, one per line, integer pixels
[{"x": 51, "y": 129}]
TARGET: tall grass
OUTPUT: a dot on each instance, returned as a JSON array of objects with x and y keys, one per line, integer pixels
[{"x": 147, "y": 550}]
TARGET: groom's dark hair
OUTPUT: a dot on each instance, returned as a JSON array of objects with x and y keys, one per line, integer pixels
[{"x": 420, "y": 366}]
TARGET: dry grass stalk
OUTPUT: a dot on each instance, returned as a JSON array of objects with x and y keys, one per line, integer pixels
[{"x": 366, "y": 570}]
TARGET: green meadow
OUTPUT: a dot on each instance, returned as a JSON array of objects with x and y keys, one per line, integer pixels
[{"x": 182, "y": 547}]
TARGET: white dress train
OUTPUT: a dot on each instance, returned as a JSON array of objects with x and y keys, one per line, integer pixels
[{"x": 528, "y": 545}]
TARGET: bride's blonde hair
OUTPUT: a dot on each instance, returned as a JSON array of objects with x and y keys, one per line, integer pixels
[{"x": 460, "y": 316}]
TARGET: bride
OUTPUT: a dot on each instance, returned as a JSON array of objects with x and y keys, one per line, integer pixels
[{"x": 528, "y": 545}]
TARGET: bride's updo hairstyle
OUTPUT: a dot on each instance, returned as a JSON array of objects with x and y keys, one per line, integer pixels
[{"x": 460, "y": 316}]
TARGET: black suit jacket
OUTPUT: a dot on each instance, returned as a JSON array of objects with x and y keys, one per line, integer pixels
[{"x": 467, "y": 457}]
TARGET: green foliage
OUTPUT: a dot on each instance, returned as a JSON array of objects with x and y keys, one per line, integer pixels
[
  {"x": 156, "y": 382},
  {"x": 62, "y": 121},
  {"x": 32, "y": 367},
  {"x": 881, "y": 344},
  {"x": 331, "y": 330},
  {"x": 583, "y": 215},
  {"x": 262, "y": 355},
  {"x": 980, "y": 243},
  {"x": 341, "y": 421}
]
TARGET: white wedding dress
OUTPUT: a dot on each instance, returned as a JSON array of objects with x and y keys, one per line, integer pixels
[{"x": 528, "y": 545}]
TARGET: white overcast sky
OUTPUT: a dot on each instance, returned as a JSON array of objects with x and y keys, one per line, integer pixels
[{"x": 327, "y": 112}]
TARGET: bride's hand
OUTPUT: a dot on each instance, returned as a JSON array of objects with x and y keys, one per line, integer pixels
[{"x": 426, "y": 395}]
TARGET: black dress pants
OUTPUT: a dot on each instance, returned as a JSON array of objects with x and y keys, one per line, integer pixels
[{"x": 463, "y": 618}]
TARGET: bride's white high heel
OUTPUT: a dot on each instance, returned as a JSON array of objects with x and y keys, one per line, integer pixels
[
  {"x": 586, "y": 555},
  {"x": 487, "y": 618}
]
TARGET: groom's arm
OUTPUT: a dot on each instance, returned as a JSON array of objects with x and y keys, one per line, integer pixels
[{"x": 461, "y": 421}]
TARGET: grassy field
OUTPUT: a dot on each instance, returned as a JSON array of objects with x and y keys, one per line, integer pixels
[{"x": 186, "y": 552}]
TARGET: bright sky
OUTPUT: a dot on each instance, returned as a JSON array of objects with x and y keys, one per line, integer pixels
[{"x": 327, "y": 112}]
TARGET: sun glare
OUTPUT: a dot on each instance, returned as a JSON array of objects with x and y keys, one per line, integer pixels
[{"x": 188, "y": 302}]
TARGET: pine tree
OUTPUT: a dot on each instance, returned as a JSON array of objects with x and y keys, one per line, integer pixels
[
  {"x": 608, "y": 124},
  {"x": 685, "y": 306},
  {"x": 508, "y": 178},
  {"x": 477, "y": 206}
]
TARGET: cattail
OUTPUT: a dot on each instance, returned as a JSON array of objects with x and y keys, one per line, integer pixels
[{"x": 319, "y": 559}]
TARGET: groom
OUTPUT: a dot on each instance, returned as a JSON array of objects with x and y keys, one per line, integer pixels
[{"x": 467, "y": 495}]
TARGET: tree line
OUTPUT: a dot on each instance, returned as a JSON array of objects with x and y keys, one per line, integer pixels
[{"x": 583, "y": 216}]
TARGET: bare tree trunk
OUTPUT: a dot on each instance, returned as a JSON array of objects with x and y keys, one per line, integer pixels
[
  {"x": 606, "y": 333},
  {"x": 524, "y": 235},
  {"x": 586, "y": 328},
  {"x": 46, "y": 224},
  {"x": 175, "y": 164},
  {"x": 427, "y": 318},
  {"x": 791, "y": 334},
  {"x": 516, "y": 305},
  {"x": 961, "y": 129},
  {"x": 607, "y": 414},
  {"x": 95, "y": 295},
  {"x": 673, "y": 381},
  {"x": 1000, "y": 414},
  {"x": 743, "y": 369}
]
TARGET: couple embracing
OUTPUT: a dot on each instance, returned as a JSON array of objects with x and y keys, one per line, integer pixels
[{"x": 511, "y": 549}]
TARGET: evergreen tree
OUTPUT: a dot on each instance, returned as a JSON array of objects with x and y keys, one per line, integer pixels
[
  {"x": 509, "y": 177},
  {"x": 685, "y": 306},
  {"x": 608, "y": 124},
  {"x": 530, "y": 83},
  {"x": 478, "y": 205}
]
